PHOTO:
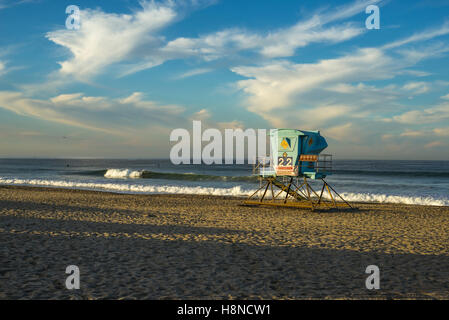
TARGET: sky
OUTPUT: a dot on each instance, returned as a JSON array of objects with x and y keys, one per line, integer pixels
[{"x": 134, "y": 71}]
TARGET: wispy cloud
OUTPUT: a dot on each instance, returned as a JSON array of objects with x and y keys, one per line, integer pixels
[
  {"x": 293, "y": 94},
  {"x": 435, "y": 114},
  {"x": 422, "y": 36},
  {"x": 133, "y": 42},
  {"x": 10, "y": 3},
  {"x": 2, "y": 68},
  {"x": 276, "y": 44},
  {"x": 434, "y": 144},
  {"x": 444, "y": 132},
  {"x": 419, "y": 87},
  {"x": 340, "y": 97},
  {"x": 410, "y": 133},
  {"x": 280, "y": 83},
  {"x": 282, "y": 43},
  {"x": 194, "y": 72},
  {"x": 102, "y": 114}
]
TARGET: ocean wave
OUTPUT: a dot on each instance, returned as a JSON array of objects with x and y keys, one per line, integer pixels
[
  {"x": 145, "y": 174},
  {"x": 122, "y": 174},
  {"x": 128, "y": 188},
  {"x": 238, "y": 191},
  {"x": 196, "y": 177},
  {"x": 384, "y": 198},
  {"x": 391, "y": 173}
]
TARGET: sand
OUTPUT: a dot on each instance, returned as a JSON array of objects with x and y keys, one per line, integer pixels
[{"x": 204, "y": 247}]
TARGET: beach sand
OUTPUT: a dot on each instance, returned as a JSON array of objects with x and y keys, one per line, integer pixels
[{"x": 204, "y": 247}]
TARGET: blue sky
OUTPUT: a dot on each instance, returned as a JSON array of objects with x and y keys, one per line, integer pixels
[{"x": 136, "y": 70}]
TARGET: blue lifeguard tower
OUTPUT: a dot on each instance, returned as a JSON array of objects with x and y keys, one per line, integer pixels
[{"x": 295, "y": 157}]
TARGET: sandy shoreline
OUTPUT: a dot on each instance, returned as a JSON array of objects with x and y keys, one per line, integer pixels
[{"x": 205, "y": 247}]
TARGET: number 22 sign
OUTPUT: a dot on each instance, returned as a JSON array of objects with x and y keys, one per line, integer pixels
[{"x": 285, "y": 161}]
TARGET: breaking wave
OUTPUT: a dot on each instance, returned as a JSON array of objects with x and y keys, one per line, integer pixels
[
  {"x": 145, "y": 174},
  {"x": 122, "y": 174},
  {"x": 238, "y": 191},
  {"x": 128, "y": 188},
  {"x": 384, "y": 198}
]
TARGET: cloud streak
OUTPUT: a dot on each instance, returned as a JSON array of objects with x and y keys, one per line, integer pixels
[
  {"x": 194, "y": 72},
  {"x": 2, "y": 68},
  {"x": 276, "y": 44},
  {"x": 101, "y": 114},
  {"x": 129, "y": 43}
]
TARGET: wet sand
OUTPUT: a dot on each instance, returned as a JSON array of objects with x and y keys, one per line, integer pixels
[{"x": 204, "y": 247}]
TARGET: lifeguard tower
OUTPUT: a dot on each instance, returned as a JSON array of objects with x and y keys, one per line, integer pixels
[{"x": 295, "y": 159}]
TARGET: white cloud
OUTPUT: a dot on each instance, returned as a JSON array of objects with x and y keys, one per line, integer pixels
[
  {"x": 193, "y": 72},
  {"x": 446, "y": 97},
  {"x": 434, "y": 144},
  {"x": 275, "y": 44},
  {"x": 212, "y": 46},
  {"x": 444, "y": 132},
  {"x": 430, "y": 115},
  {"x": 202, "y": 115},
  {"x": 129, "y": 43},
  {"x": 108, "y": 38},
  {"x": 417, "y": 87},
  {"x": 286, "y": 94},
  {"x": 284, "y": 43},
  {"x": 113, "y": 116},
  {"x": 205, "y": 116},
  {"x": 279, "y": 84},
  {"x": 365, "y": 91},
  {"x": 410, "y": 133},
  {"x": 10, "y": 3},
  {"x": 30, "y": 133},
  {"x": 63, "y": 98},
  {"x": 422, "y": 36},
  {"x": 413, "y": 56},
  {"x": 342, "y": 132}
]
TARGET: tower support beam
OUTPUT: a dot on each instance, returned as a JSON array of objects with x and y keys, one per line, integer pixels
[{"x": 297, "y": 195}]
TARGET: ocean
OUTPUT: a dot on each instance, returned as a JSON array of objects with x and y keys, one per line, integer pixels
[{"x": 408, "y": 182}]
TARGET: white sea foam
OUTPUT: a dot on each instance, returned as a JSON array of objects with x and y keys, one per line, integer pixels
[
  {"x": 232, "y": 191},
  {"x": 383, "y": 198},
  {"x": 128, "y": 188},
  {"x": 122, "y": 174}
]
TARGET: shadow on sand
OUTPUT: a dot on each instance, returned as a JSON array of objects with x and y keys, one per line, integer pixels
[{"x": 33, "y": 266}]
